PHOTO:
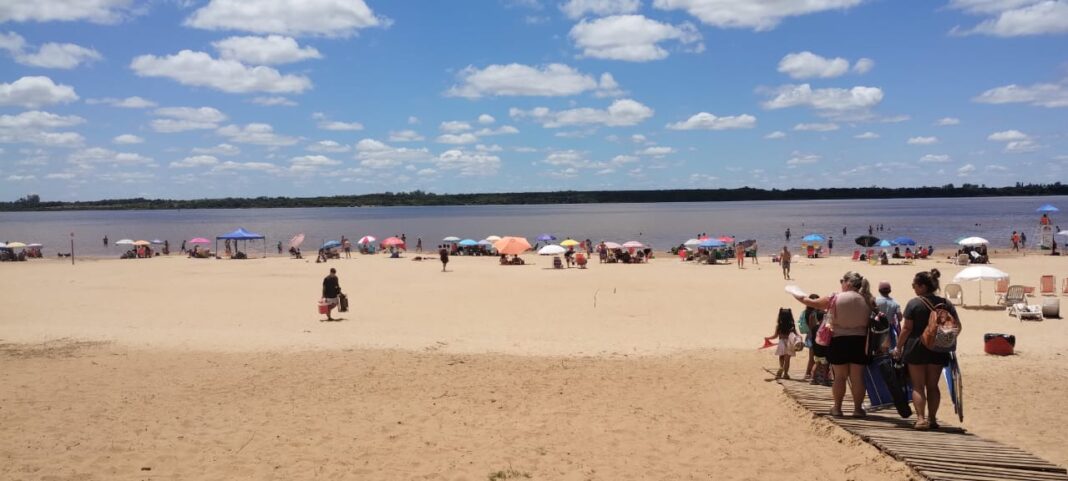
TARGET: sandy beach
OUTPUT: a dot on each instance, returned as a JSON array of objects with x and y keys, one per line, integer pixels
[{"x": 173, "y": 368}]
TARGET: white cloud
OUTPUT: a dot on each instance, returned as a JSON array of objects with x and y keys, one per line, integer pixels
[
  {"x": 374, "y": 154},
  {"x": 201, "y": 70},
  {"x": 707, "y": 121},
  {"x": 922, "y": 140},
  {"x": 269, "y": 50},
  {"x": 99, "y": 155},
  {"x": 311, "y": 163},
  {"x": 413, "y": 120},
  {"x": 255, "y": 133},
  {"x": 576, "y": 9},
  {"x": 935, "y": 158},
  {"x": 966, "y": 170},
  {"x": 340, "y": 126},
  {"x": 488, "y": 148},
  {"x": 828, "y": 100},
  {"x": 1013, "y": 18},
  {"x": 553, "y": 80},
  {"x": 454, "y": 127},
  {"x": 38, "y": 119},
  {"x": 944, "y": 121},
  {"x": 127, "y": 139},
  {"x": 181, "y": 119},
  {"x": 246, "y": 166},
  {"x": 34, "y": 92},
  {"x": 486, "y": 119},
  {"x": 502, "y": 130},
  {"x": 1007, "y": 135},
  {"x": 806, "y": 64},
  {"x": 816, "y": 127},
  {"x": 126, "y": 103},
  {"x": 221, "y": 149},
  {"x": 658, "y": 151},
  {"x": 329, "y": 146},
  {"x": 866, "y": 136},
  {"x": 758, "y": 15},
  {"x": 195, "y": 162},
  {"x": 464, "y": 138},
  {"x": 468, "y": 164},
  {"x": 607, "y": 87},
  {"x": 863, "y": 66},
  {"x": 405, "y": 136},
  {"x": 19, "y": 178},
  {"x": 798, "y": 158},
  {"x": 1021, "y": 146},
  {"x": 331, "y": 18},
  {"x": 775, "y": 135},
  {"x": 33, "y": 127},
  {"x": 49, "y": 55},
  {"x": 273, "y": 101},
  {"x": 624, "y": 112},
  {"x": 633, "y": 38},
  {"x": 97, "y": 11},
  {"x": 1050, "y": 95}
]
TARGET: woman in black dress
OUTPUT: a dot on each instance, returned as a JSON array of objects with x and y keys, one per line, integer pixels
[{"x": 925, "y": 366}]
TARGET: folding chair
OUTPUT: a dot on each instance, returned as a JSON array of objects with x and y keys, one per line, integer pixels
[{"x": 1048, "y": 285}]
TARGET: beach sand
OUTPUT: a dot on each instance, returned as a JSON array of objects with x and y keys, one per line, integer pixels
[{"x": 173, "y": 368}]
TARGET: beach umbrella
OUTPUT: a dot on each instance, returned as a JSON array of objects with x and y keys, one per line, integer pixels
[
  {"x": 747, "y": 243},
  {"x": 511, "y": 245},
  {"x": 711, "y": 243},
  {"x": 813, "y": 238},
  {"x": 973, "y": 241},
  {"x": 3, "y": 246},
  {"x": 980, "y": 273},
  {"x": 485, "y": 242},
  {"x": 493, "y": 238},
  {"x": 1063, "y": 232},
  {"x": 613, "y": 245},
  {"x": 570, "y": 243},
  {"x": 884, "y": 243},
  {"x": 156, "y": 241},
  {"x": 295, "y": 242},
  {"x": 692, "y": 242},
  {"x": 866, "y": 240},
  {"x": 546, "y": 237},
  {"x": 633, "y": 245},
  {"x": 15, "y": 245},
  {"x": 728, "y": 239},
  {"x": 468, "y": 242},
  {"x": 451, "y": 238},
  {"x": 905, "y": 241},
  {"x": 124, "y": 242},
  {"x": 367, "y": 239},
  {"x": 393, "y": 241},
  {"x": 330, "y": 244},
  {"x": 142, "y": 243},
  {"x": 551, "y": 249},
  {"x": 35, "y": 244},
  {"x": 201, "y": 240},
  {"x": 1047, "y": 208}
]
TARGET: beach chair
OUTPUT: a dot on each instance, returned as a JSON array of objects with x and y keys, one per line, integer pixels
[
  {"x": 1024, "y": 311},
  {"x": 908, "y": 257},
  {"x": 1000, "y": 289},
  {"x": 1048, "y": 285},
  {"x": 954, "y": 294},
  {"x": 962, "y": 260},
  {"x": 856, "y": 254},
  {"x": 1013, "y": 295},
  {"x": 557, "y": 263},
  {"x": 811, "y": 251},
  {"x": 1064, "y": 288}
]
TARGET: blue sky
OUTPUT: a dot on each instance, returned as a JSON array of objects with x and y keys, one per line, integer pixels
[{"x": 213, "y": 98}]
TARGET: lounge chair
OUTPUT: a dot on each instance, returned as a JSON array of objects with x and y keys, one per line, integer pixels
[
  {"x": 908, "y": 257},
  {"x": 1023, "y": 311},
  {"x": 1064, "y": 288},
  {"x": 962, "y": 260},
  {"x": 1013, "y": 295},
  {"x": 954, "y": 294},
  {"x": 1048, "y": 285},
  {"x": 1000, "y": 288},
  {"x": 856, "y": 255}
]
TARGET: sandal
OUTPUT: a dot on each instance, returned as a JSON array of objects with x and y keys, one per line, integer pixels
[
  {"x": 922, "y": 425},
  {"x": 836, "y": 413},
  {"x": 933, "y": 424},
  {"x": 859, "y": 413}
]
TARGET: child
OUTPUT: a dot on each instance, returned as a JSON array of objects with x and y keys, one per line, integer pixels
[
  {"x": 808, "y": 324},
  {"x": 788, "y": 337}
]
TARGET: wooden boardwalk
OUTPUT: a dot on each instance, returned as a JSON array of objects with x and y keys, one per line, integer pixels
[{"x": 949, "y": 454}]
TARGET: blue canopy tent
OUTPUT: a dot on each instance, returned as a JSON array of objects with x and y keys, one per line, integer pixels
[{"x": 241, "y": 235}]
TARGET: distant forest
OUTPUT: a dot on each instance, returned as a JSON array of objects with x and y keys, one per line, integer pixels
[{"x": 33, "y": 202}]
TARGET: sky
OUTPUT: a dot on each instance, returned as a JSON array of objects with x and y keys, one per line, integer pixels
[{"x": 187, "y": 99}]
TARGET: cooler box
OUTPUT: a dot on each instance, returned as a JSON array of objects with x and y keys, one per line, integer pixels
[
  {"x": 999, "y": 344},
  {"x": 324, "y": 307}
]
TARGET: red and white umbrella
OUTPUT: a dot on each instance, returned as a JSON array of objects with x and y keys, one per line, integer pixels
[
  {"x": 393, "y": 241},
  {"x": 297, "y": 240},
  {"x": 367, "y": 239}
]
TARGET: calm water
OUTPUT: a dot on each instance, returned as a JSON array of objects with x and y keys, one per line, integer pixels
[{"x": 928, "y": 221}]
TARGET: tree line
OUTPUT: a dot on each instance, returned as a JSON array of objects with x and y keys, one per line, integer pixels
[{"x": 33, "y": 202}]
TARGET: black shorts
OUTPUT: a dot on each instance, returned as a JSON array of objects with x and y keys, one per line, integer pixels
[
  {"x": 847, "y": 350},
  {"x": 917, "y": 353}
]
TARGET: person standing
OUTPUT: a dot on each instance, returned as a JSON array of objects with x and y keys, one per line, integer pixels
[
  {"x": 925, "y": 366},
  {"x": 1015, "y": 241},
  {"x": 347, "y": 247},
  {"x": 183, "y": 246},
  {"x": 830, "y": 245},
  {"x": 843, "y": 231},
  {"x": 888, "y": 307},
  {"x": 443, "y": 253},
  {"x": 419, "y": 245},
  {"x": 784, "y": 261},
  {"x": 331, "y": 292},
  {"x": 279, "y": 246},
  {"x": 1023, "y": 240},
  {"x": 739, "y": 256},
  {"x": 105, "y": 240},
  {"x": 756, "y": 258},
  {"x": 787, "y": 234}
]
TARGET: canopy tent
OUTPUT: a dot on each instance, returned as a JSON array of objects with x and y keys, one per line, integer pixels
[
  {"x": 16, "y": 245},
  {"x": 712, "y": 243},
  {"x": 980, "y": 273},
  {"x": 241, "y": 235}
]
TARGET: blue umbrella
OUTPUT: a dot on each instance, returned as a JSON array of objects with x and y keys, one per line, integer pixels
[
  {"x": 156, "y": 241},
  {"x": 884, "y": 243},
  {"x": 468, "y": 243},
  {"x": 1047, "y": 208},
  {"x": 546, "y": 237},
  {"x": 711, "y": 243},
  {"x": 813, "y": 238},
  {"x": 331, "y": 244},
  {"x": 905, "y": 241}
]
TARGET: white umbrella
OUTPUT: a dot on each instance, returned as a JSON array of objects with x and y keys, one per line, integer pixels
[
  {"x": 1063, "y": 232},
  {"x": 493, "y": 238},
  {"x": 551, "y": 249},
  {"x": 612, "y": 245},
  {"x": 691, "y": 242},
  {"x": 633, "y": 244},
  {"x": 451, "y": 239},
  {"x": 980, "y": 273},
  {"x": 973, "y": 241},
  {"x": 124, "y": 242}
]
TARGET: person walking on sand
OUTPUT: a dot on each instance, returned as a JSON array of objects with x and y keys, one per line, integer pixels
[
  {"x": 739, "y": 256},
  {"x": 784, "y": 261},
  {"x": 443, "y": 253},
  {"x": 786, "y": 333},
  {"x": 925, "y": 366},
  {"x": 830, "y": 245},
  {"x": 331, "y": 292}
]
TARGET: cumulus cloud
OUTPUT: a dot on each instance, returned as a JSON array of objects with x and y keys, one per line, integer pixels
[
  {"x": 181, "y": 119},
  {"x": 944, "y": 121},
  {"x": 866, "y": 136},
  {"x": 553, "y": 80},
  {"x": 816, "y": 127},
  {"x": 1014, "y": 18},
  {"x": 804, "y": 65},
  {"x": 758, "y": 15},
  {"x": 269, "y": 50},
  {"x": 775, "y": 135},
  {"x": 1007, "y": 136},
  {"x": 199, "y": 69},
  {"x": 97, "y": 155},
  {"x": 657, "y": 151},
  {"x": 576, "y": 9},
  {"x": 221, "y": 149},
  {"x": 502, "y": 130},
  {"x": 327, "y": 124},
  {"x": 405, "y": 136},
  {"x": 38, "y": 119},
  {"x": 464, "y": 138},
  {"x": 454, "y": 126},
  {"x": 830, "y": 100},
  {"x": 1016, "y": 142},
  {"x": 707, "y": 121},
  {"x": 331, "y": 18},
  {"x": 126, "y": 103},
  {"x": 624, "y": 112},
  {"x": 799, "y": 158},
  {"x": 468, "y": 164},
  {"x": 328, "y": 146},
  {"x": 231, "y": 166},
  {"x": 127, "y": 139},
  {"x": 273, "y": 101},
  {"x": 34, "y": 92},
  {"x": 935, "y": 158},
  {"x": 311, "y": 163},
  {"x": 633, "y": 38},
  {"x": 486, "y": 119},
  {"x": 49, "y": 55},
  {"x": 1050, "y": 95},
  {"x": 35, "y": 127},
  {"x": 97, "y": 11},
  {"x": 922, "y": 140},
  {"x": 966, "y": 170},
  {"x": 196, "y": 161},
  {"x": 255, "y": 133},
  {"x": 374, "y": 154}
]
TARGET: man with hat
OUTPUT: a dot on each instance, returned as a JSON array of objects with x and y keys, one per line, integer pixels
[{"x": 892, "y": 310}]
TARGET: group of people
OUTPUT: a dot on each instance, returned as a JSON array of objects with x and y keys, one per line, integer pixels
[{"x": 851, "y": 310}]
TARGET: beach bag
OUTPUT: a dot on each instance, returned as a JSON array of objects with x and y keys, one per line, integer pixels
[
  {"x": 942, "y": 329},
  {"x": 826, "y": 332},
  {"x": 343, "y": 303},
  {"x": 877, "y": 334},
  {"x": 802, "y": 323},
  {"x": 796, "y": 342}
]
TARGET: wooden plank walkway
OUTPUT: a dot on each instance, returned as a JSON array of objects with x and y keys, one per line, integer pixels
[{"x": 949, "y": 454}]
